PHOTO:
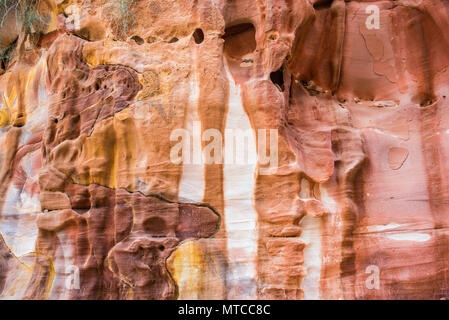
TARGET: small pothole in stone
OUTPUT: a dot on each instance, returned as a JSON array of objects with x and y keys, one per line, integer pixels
[
  {"x": 198, "y": 35},
  {"x": 138, "y": 40}
]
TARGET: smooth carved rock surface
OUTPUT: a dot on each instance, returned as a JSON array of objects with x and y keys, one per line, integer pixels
[{"x": 92, "y": 205}]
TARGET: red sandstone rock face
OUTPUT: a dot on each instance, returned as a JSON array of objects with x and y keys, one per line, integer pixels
[
  {"x": 92, "y": 205},
  {"x": 121, "y": 242}
]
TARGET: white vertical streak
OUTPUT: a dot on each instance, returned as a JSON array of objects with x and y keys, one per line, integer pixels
[
  {"x": 241, "y": 216},
  {"x": 311, "y": 235},
  {"x": 191, "y": 186}
]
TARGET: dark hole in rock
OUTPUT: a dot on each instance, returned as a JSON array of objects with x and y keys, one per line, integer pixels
[
  {"x": 323, "y": 4},
  {"x": 424, "y": 99},
  {"x": 138, "y": 40},
  {"x": 239, "y": 40},
  {"x": 426, "y": 102},
  {"x": 198, "y": 35},
  {"x": 7, "y": 55},
  {"x": 238, "y": 29},
  {"x": 273, "y": 36},
  {"x": 173, "y": 40},
  {"x": 277, "y": 77}
]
